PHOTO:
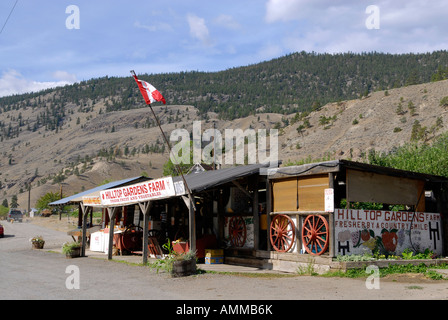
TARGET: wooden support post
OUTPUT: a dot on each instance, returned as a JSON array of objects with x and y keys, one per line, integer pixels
[
  {"x": 84, "y": 212},
  {"x": 221, "y": 218},
  {"x": 331, "y": 217},
  {"x": 442, "y": 208},
  {"x": 192, "y": 226},
  {"x": 268, "y": 212},
  {"x": 191, "y": 222},
  {"x": 145, "y": 208},
  {"x": 111, "y": 212},
  {"x": 256, "y": 216},
  {"x": 80, "y": 211}
]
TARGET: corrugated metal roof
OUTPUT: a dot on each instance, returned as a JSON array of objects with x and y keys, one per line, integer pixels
[
  {"x": 96, "y": 191},
  {"x": 201, "y": 181},
  {"x": 197, "y": 182},
  {"x": 338, "y": 165}
]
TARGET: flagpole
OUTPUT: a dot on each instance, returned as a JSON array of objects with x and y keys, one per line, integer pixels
[{"x": 179, "y": 171}]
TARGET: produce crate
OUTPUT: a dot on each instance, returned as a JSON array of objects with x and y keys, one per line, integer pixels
[
  {"x": 214, "y": 260},
  {"x": 214, "y": 256},
  {"x": 211, "y": 253}
]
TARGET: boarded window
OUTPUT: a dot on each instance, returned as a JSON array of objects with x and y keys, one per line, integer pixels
[
  {"x": 372, "y": 187},
  {"x": 285, "y": 195},
  {"x": 312, "y": 193},
  {"x": 300, "y": 193}
]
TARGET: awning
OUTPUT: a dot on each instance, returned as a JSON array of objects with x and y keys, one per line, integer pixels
[
  {"x": 204, "y": 180},
  {"x": 95, "y": 192}
]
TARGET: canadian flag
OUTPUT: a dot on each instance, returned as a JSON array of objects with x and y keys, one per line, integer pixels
[{"x": 150, "y": 94}]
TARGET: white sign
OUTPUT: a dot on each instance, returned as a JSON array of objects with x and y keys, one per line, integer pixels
[
  {"x": 391, "y": 232},
  {"x": 329, "y": 200},
  {"x": 149, "y": 190}
]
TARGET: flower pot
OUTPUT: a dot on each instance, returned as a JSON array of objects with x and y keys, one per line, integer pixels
[
  {"x": 183, "y": 268},
  {"x": 76, "y": 252},
  {"x": 38, "y": 245},
  {"x": 181, "y": 247}
]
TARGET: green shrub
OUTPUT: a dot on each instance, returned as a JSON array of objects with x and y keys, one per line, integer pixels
[{"x": 444, "y": 102}]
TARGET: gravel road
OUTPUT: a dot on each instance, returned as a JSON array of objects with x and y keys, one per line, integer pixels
[{"x": 28, "y": 274}]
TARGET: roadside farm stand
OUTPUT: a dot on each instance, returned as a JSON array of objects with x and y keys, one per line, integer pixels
[
  {"x": 276, "y": 218},
  {"x": 341, "y": 207},
  {"x": 225, "y": 211},
  {"x": 77, "y": 200}
]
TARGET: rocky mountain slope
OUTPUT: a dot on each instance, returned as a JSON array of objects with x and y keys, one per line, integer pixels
[{"x": 92, "y": 147}]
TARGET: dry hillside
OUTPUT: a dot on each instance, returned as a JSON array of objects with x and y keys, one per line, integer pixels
[{"x": 353, "y": 127}]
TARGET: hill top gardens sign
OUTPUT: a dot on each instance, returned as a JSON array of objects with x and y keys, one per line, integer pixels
[
  {"x": 386, "y": 232},
  {"x": 149, "y": 190}
]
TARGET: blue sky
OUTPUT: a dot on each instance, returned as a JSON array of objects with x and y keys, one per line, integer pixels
[{"x": 40, "y": 49}]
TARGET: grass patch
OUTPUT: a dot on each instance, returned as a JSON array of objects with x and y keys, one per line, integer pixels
[
  {"x": 414, "y": 287},
  {"x": 428, "y": 271},
  {"x": 265, "y": 275}
]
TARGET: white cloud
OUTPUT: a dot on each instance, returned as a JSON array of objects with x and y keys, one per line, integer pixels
[
  {"x": 283, "y": 10},
  {"x": 340, "y": 26},
  {"x": 12, "y": 82},
  {"x": 198, "y": 28},
  {"x": 154, "y": 27},
  {"x": 64, "y": 76},
  {"x": 227, "y": 21}
]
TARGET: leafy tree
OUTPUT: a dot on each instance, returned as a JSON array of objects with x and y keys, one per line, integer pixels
[
  {"x": 44, "y": 201},
  {"x": 169, "y": 168},
  {"x": 417, "y": 157},
  {"x": 14, "y": 202}
]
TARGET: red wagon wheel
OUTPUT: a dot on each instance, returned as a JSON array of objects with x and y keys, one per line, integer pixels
[
  {"x": 132, "y": 238},
  {"x": 315, "y": 235},
  {"x": 237, "y": 231},
  {"x": 282, "y": 233}
]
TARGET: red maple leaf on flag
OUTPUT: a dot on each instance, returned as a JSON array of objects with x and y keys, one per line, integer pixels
[{"x": 150, "y": 94}]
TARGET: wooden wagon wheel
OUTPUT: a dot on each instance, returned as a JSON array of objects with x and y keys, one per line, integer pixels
[
  {"x": 237, "y": 231},
  {"x": 315, "y": 235},
  {"x": 132, "y": 238},
  {"x": 282, "y": 233}
]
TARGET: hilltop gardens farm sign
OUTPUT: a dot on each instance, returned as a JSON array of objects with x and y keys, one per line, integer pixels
[
  {"x": 149, "y": 190},
  {"x": 388, "y": 232}
]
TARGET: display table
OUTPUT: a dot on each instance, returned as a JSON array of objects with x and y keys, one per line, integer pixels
[
  {"x": 206, "y": 242},
  {"x": 78, "y": 232},
  {"x": 99, "y": 241}
]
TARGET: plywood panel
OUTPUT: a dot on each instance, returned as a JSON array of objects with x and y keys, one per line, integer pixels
[
  {"x": 312, "y": 192},
  {"x": 372, "y": 187},
  {"x": 284, "y": 195}
]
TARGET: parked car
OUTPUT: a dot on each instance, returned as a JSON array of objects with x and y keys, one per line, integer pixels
[
  {"x": 15, "y": 215},
  {"x": 2, "y": 231}
]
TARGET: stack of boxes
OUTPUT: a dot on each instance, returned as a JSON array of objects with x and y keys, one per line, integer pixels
[{"x": 214, "y": 256}]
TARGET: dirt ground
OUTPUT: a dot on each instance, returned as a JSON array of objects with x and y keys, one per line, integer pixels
[
  {"x": 32, "y": 274},
  {"x": 66, "y": 223}
]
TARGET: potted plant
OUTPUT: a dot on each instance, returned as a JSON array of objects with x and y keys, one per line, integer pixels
[
  {"x": 184, "y": 264},
  {"x": 37, "y": 242},
  {"x": 177, "y": 264},
  {"x": 71, "y": 249}
]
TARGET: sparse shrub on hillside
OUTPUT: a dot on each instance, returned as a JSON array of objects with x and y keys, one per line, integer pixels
[
  {"x": 418, "y": 132},
  {"x": 444, "y": 102}
]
